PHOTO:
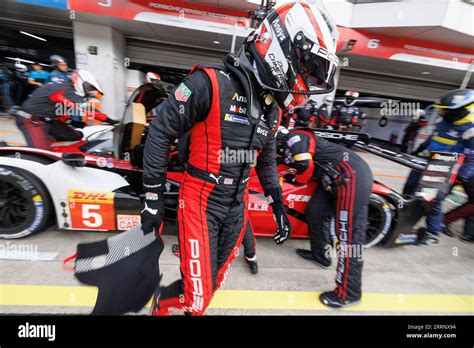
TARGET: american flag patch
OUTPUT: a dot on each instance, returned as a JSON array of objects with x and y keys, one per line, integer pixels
[{"x": 182, "y": 93}]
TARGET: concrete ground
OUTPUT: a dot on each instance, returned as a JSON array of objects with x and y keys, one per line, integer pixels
[{"x": 403, "y": 280}]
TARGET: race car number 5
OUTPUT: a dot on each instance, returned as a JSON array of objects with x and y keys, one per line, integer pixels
[
  {"x": 90, "y": 210},
  {"x": 90, "y": 218}
]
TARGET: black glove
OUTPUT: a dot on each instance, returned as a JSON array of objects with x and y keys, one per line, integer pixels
[
  {"x": 326, "y": 181},
  {"x": 114, "y": 123},
  {"x": 153, "y": 207},
  {"x": 290, "y": 178},
  {"x": 283, "y": 224}
]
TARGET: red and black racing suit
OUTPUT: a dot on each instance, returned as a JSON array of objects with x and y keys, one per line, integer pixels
[
  {"x": 347, "y": 201},
  {"x": 212, "y": 212},
  {"x": 348, "y": 116},
  {"x": 57, "y": 102},
  {"x": 325, "y": 120}
]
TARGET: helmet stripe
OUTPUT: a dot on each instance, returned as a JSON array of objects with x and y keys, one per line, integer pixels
[{"x": 315, "y": 24}]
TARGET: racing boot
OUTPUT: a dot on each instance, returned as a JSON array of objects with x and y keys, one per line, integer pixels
[
  {"x": 466, "y": 238},
  {"x": 331, "y": 300},
  {"x": 252, "y": 263},
  {"x": 308, "y": 255},
  {"x": 427, "y": 238}
]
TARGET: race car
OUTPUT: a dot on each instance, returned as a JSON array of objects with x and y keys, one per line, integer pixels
[{"x": 97, "y": 185}]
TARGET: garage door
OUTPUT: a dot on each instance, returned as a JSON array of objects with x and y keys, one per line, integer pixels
[
  {"x": 391, "y": 86},
  {"x": 172, "y": 56}
]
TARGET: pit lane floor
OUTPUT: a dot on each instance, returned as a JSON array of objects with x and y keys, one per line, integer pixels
[{"x": 404, "y": 280}]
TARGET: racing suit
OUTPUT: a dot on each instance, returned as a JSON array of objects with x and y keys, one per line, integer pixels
[
  {"x": 58, "y": 76},
  {"x": 348, "y": 116},
  {"x": 454, "y": 138},
  {"x": 56, "y": 102},
  {"x": 249, "y": 243},
  {"x": 347, "y": 197},
  {"x": 212, "y": 104},
  {"x": 325, "y": 120}
]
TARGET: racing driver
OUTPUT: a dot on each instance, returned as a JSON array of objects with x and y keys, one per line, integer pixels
[
  {"x": 233, "y": 108},
  {"x": 344, "y": 192},
  {"x": 290, "y": 56}
]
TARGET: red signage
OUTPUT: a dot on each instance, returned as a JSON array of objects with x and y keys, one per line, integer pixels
[
  {"x": 143, "y": 9},
  {"x": 391, "y": 47}
]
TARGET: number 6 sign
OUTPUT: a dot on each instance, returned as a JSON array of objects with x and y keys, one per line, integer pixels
[{"x": 90, "y": 210}]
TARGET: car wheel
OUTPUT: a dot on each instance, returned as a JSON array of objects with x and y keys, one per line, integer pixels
[
  {"x": 380, "y": 220},
  {"x": 25, "y": 205}
]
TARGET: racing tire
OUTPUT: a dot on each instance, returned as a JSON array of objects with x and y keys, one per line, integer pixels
[
  {"x": 379, "y": 221},
  {"x": 25, "y": 204}
]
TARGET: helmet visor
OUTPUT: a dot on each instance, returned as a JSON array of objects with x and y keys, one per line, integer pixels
[{"x": 316, "y": 70}]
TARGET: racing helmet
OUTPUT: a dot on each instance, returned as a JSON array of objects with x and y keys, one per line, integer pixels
[
  {"x": 350, "y": 97},
  {"x": 294, "y": 52},
  {"x": 305, "y": 114},
  {"x": 85, "y": 84},
  {"x": 328, "y": 100},
  {"x": 55, "y": 59},
  {"x": 456, "y": 105},
  {"x": 423, "y": 121},
  {"x": 152, "y": 76},
  {"x": 20, "y": 67},
  {"x": 280, "y": 136}
]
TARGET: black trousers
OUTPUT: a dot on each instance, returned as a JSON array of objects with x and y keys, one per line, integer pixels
[
  {"x": 348, "y": 202},
  {"x": 59, "y": 131},
  {"x": 249, "y": 242}
]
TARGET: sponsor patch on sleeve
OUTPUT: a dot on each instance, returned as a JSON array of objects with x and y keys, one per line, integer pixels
[
  {"x": 293, "y": 140},
  {"x": 182, "y": 93}
]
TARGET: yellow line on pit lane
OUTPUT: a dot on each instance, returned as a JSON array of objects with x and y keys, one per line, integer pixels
[{"x": 83, "y": 296}]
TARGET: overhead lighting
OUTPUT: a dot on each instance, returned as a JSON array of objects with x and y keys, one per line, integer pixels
[
  {"x": 33, "y": 36},
  {"x": 217, "y": 42},
  {"x": 425, "y": 72},
  {"x": 25, "y": 61}
]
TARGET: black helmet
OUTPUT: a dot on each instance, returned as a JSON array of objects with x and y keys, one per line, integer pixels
[
  {"x": 456, "y": 104},
  {"x": 280, "y": 136},
  {"x": 302, "y": 116}
]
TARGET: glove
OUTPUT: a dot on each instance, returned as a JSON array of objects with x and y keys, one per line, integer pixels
[
  {"x": 290, "y": 178},
  {"x": 153, "y": 207},
  {"x": 326, "y": 181},
  {"x": 283, "y": 224},
  {"x": 114, "y": 123}
]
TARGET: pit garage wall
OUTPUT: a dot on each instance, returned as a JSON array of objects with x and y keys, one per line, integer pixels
[
  {"x": 390, "y": 87},
  {"x": 108, "y": 65}
]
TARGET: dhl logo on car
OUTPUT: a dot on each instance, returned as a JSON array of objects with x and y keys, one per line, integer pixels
[{"x": 90, "y": 196}]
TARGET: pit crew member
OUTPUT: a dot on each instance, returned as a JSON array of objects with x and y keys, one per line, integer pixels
[
  {"x": 454, "y": 134},
  {"x": 344, "y": 192},
  {"x": 58, "y": 102}
]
